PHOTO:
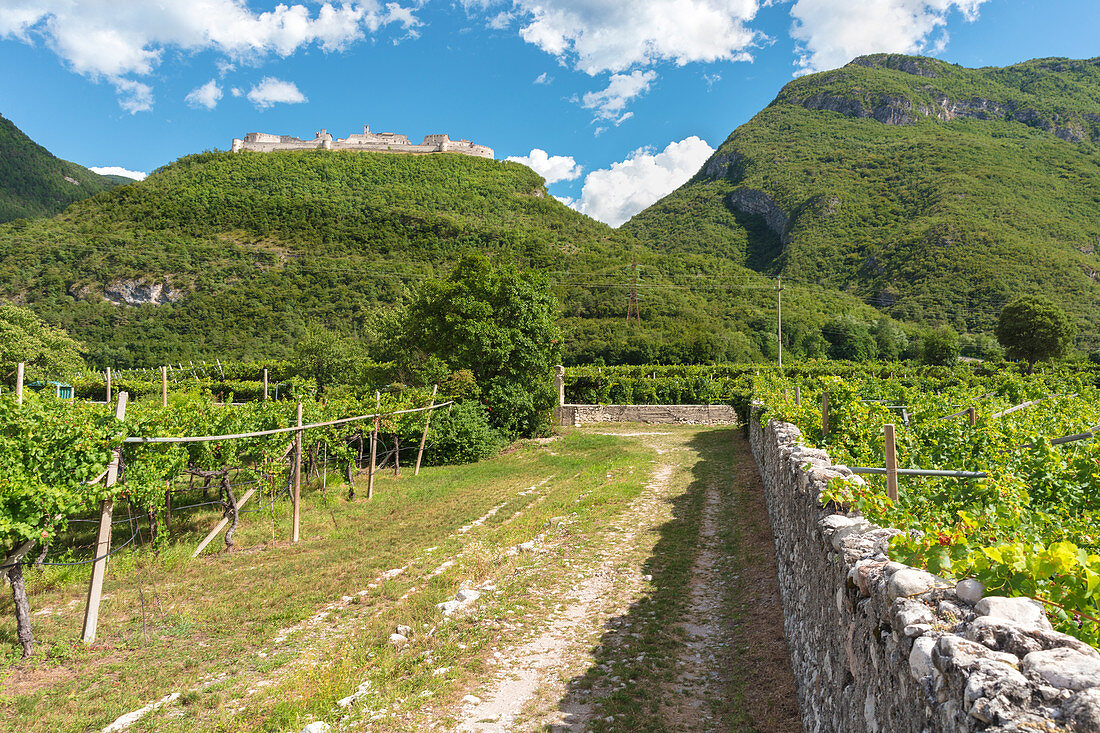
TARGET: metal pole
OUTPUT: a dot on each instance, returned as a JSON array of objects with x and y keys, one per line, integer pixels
[{"x": 779, "y": 314}]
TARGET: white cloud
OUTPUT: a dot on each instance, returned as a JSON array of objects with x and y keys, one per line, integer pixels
[
  {"x": 609, "y": 103},
  {"x": 108, "y": 39},
  {"x": 271, "y": 91},
  {"x": 236, "y": 91},
  {"x": 208, "y": 95},
  {"x": 612, "y": 35},
  {"x": 543, "y": 78},
  {"x": 114, "y": 170},
  {"x": 615, "y": 194},
  {"x": 830, "y": 33},
  {"x": 133, "y": 96},
  {"x": 553, "y": 168}
]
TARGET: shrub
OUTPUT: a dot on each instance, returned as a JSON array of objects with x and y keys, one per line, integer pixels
[{"x": 463, "y": 435}]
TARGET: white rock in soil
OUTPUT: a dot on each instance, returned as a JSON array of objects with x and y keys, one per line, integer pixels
[
  {"x": 399, "y": 640},
  {"x": 1026, "y": 611},
  {"x": 467, "y": 596},
  {"x": 472, "y": 699},
  {"x": 909, "y": 582},
  {"x": 317, "y": 727},
  {"x": 970, "y": 590},
  {"x": 1064, "y": 668},
  {"x": 345, "y": 702},
  {"x": 447, "y": 607},
  {"x": 405, "y": 631}
]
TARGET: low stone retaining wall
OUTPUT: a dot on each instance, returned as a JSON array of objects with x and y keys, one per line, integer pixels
[
  {"x": 653, "y": 414},
  {"x": 878, "y": 646}
]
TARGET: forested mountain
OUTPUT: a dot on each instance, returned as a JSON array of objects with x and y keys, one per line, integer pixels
[
  {"x": 35, "y": 183},
  {"x": 232, "y": 254},
  {"x": 934, "y": 191}
]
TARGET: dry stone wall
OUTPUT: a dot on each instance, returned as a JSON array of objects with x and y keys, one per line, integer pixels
[
  {"x": 652, "y": 414},
  {"x": 878, "y": 646}
]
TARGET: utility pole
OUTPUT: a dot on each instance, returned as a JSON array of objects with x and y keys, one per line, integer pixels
[
  {"x": 632, "y": 305},
  {"x": 779, "y": 313}
]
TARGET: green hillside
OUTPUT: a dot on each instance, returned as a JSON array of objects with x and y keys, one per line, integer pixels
[
  {"x": 230, "y": 255},
  {"x": 934, "y": 191},
  {"x": 35, "y": 183}
]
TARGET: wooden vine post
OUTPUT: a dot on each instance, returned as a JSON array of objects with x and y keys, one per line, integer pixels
[
  {"x": 19, "y": 382},
  {"x": 108, "y": 385},
  {"x": 824, "y": 413},
  {"x": 297, "y": 472},
  {"x": 374, "y": 443},
  {"x": 265, "y": 385},
  {"x": 798, "y": 396},
  {"x": 891, "y": 463},
  {"x": 972, "y": 413},
  {"x": 424, "y": 435},
  {"x": 164, "y": 386},
  {"x": 103, "y": 540}
]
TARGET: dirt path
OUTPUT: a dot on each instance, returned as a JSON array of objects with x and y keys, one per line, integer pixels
[{"x": 681, "y": 596}]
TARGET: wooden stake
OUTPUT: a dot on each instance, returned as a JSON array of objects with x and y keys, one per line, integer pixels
[
  {"x": 891, "y": 463},
  {"x": 19, "y": 382},
  {"x": 374, "y": 444},
  {"x": 297, "y": 473},
  {"x": 824, "y": 413},
  {"x": 798, "y": 396},
  {"x": 424, "y": 436},
  {"x": 972, "y": 413},
  {"x": 103, "y": 540},
  {"x": 168, "y": 507},
  {"x": 164, "y": 386},
  {"x": 108, "y": 385},
  {"x": 265, "y": 385},
  {"x": 779, "y": 318}
]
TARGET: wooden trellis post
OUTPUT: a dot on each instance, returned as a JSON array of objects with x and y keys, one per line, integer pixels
[
  {"x": 297, "y": 472},
  {"x": 424, "y": 436},
  {"x": 891, "y": 463},
  {"x": 265, "y": 385},
  {"x": 798, "y": 396},
  {"x": 19, "y": 382},
  {"x": 374, "y": 444},
  {"x": 972, "y": 413},
  {"x": 108, "y": 385},
  {"x": 164, "y": 386},
  {"x": 103, "y": 540},
  {"x": 824, "y": 413}
]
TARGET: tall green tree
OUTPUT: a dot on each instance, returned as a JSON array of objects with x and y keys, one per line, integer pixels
[
  {"x": 940, "y": 346},
  {"x": 497, "y": 322},
  {"x": 1034, "y": 328},
  {"x": 46, "y": 350}
]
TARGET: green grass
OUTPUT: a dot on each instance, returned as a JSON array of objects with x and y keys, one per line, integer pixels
[{"x": 208, "y": 620}]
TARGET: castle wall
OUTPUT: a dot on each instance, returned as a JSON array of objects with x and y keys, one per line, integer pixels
[{"x": 366, "y": 141}]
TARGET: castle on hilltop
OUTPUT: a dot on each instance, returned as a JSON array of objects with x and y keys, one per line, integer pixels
[{"x": 384, "y": 142}]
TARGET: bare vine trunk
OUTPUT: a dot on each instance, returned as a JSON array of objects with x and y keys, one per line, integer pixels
[
  {"x": 231, "y": 512},
  {"x": 14, "y": 573}
]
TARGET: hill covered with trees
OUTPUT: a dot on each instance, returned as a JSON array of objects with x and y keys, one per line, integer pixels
[
  {"x": 35, "y": 183},
  {"x": 234, "y": 254},
  {"x": 936, "y": 192}
]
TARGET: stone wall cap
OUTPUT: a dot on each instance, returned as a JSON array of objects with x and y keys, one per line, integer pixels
[
  {"x": 1064, "y": 668},
  {"x": 1027, "y": 611}
]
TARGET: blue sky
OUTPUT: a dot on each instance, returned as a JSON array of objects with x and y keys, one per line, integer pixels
[{"x": 616, "y": 102}]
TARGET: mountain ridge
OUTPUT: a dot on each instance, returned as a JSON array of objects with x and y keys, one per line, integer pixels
[
  {"x": 851, "y": 178},
  {"x": 34, "y": 182}
]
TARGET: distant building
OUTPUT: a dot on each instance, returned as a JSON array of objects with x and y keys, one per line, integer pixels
[{"x": 383, "y": 142}]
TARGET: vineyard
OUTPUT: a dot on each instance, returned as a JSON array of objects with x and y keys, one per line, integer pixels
[
  {"x": 1030, "y": 526},
  {"x": 66, "y": 460}
]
